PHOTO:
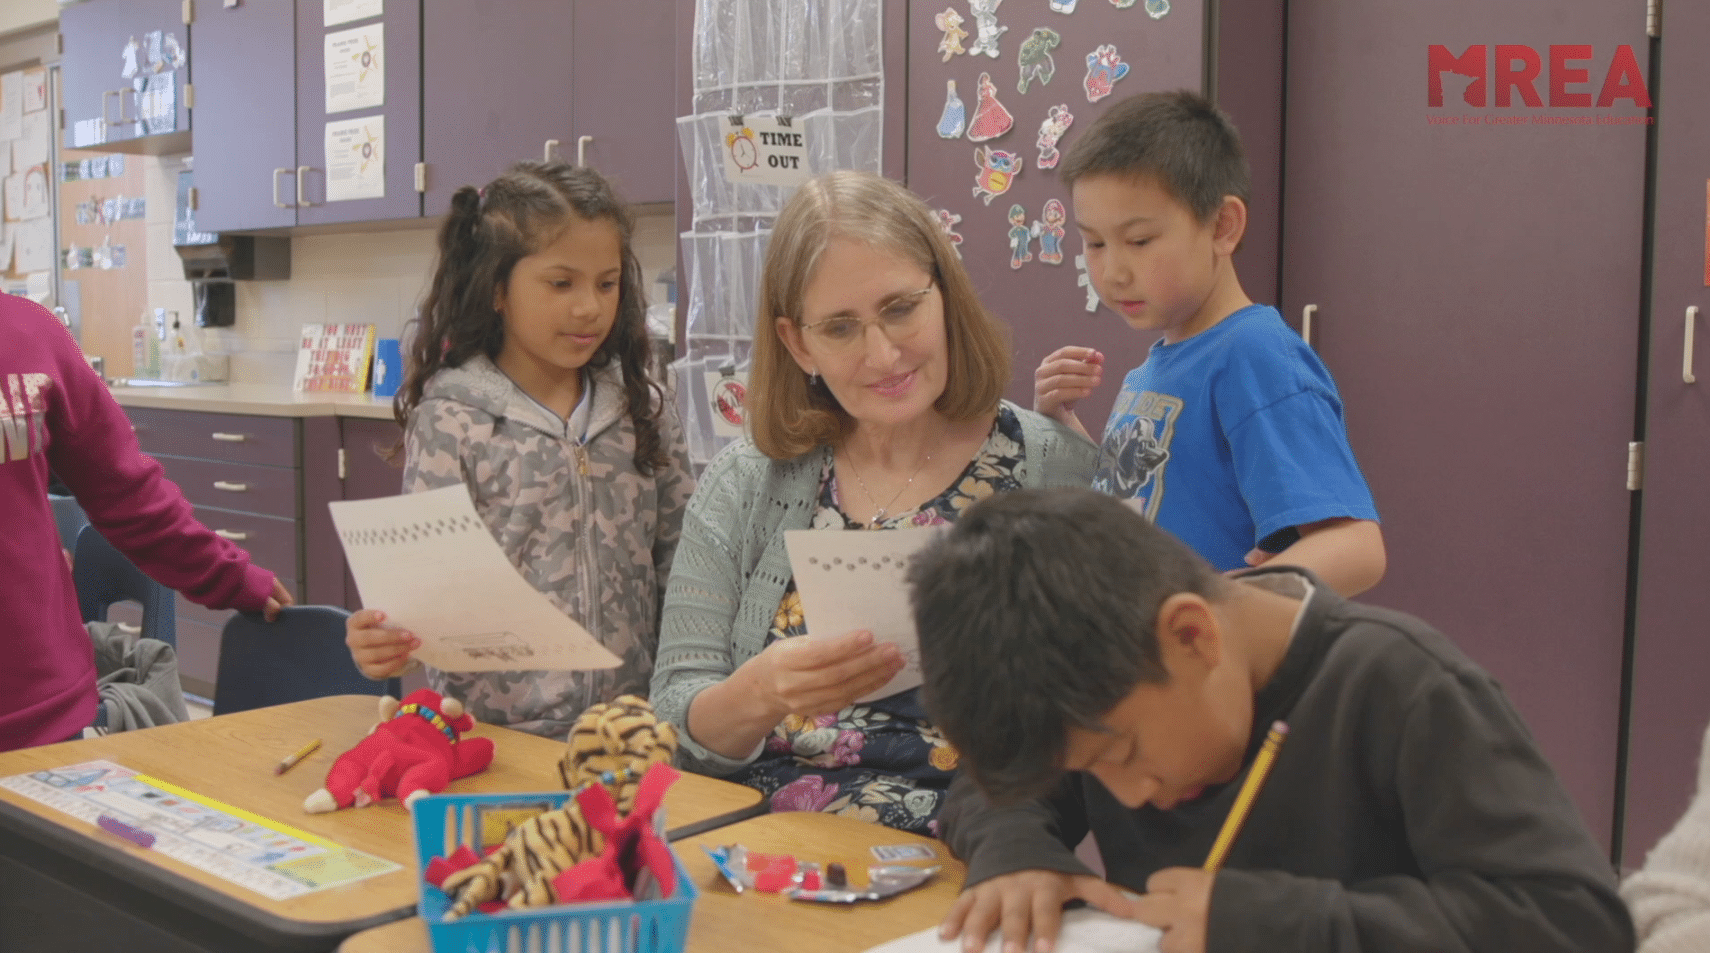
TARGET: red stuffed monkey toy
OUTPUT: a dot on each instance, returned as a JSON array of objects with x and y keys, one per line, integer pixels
[{"x": 416, "y": 750}]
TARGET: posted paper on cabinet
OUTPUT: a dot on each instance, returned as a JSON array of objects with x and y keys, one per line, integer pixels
[
  {"x": 432, "y": 564},
  {"x": 334, "y": 12},
  {"x": 11, "y": 104},
  {"x": 355, "y": 69},
  {"x": 356, "y": 159}
]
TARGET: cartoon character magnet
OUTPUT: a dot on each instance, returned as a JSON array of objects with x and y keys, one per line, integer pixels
[
  {"x": 1057, "y": 121},
  {"x": 1085, "y": 281},
  {"x": 1050, "y": 231},
  {"x": 955, "y": 115},
  {"x": 951, "y": 23},
  {"x": 947, "y": 220},
  {"x": 1020, "y": 237},
  {"x": 1035, "y": 59},
  {"x": 1104, "y": 68},
  {"x": 997, "y": 172},
  {"x": 990, "y": 118},
  {"x": 985, "y": 22},
  {"x": 1064, "y": 6},
  {"x": 1157, "y": 8}
]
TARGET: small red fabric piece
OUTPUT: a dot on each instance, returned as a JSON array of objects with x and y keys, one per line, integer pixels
[
  {"x": 442, "y": 867},
  {"x": 631, "y": 844}
]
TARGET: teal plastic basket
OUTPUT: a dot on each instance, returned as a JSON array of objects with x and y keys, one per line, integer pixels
[{"x": 443, "y": 821}]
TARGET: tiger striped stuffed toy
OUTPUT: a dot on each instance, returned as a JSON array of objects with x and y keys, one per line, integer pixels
[{"x": 612, "y": 743}]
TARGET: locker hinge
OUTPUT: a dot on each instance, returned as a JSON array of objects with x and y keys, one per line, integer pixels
[
  {"x": 59, "y": 43},
  {"x": 189, "y": 12},
  {"x": 189, "y": 95},
  {"x": 421, "y": 177},
  {"x": 1653, "y": 18},
  {"x": 62, "y": 120},
  {"x": 1635, "y": 465},
  {"x": 341, "y": 463},
  {"x": 195, "y": 199}
]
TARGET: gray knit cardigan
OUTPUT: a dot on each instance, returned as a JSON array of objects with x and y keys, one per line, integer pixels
[{"x": 731, "y": 567}]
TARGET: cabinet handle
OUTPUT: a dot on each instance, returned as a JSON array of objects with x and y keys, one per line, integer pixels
[
  {"x": 1686, "y": 357},
  {"x": 104, "y": 94},
  {"x": 301, "y": 202},
  {"x": 122, "y": 119},
  {"x": 547, "y": 150},
  {"x": 231, "y": 534},
  {"x": 276, "y": 173},
  {"x": 230, "y": 487},
  {"x": 229, "y": 437},
  {"x": 1306, "y": 314},
  {"x": 581, "y": 148}
]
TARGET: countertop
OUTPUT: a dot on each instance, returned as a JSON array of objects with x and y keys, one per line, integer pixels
[{"x": 267, "y": 400}]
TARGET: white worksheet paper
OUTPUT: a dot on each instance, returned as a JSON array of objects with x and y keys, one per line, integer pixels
[
  {"x": 430, "y": 562},
  {"x": 857, "y": 580},
  {"x": 1084, "y": 931},
  {"x": 356, "y": 158}
]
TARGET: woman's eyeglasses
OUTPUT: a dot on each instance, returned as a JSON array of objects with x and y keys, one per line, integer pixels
[{"x": 899, "y": 318}]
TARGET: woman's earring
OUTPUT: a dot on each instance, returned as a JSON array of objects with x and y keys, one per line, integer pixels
[{"x": 813, "y": 378}]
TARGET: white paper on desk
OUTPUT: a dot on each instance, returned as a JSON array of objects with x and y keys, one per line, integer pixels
[
  {"x": 1084, "y": 931},
  {"x": 856, "y": 580},
  {"x": 430, "y": 562}
]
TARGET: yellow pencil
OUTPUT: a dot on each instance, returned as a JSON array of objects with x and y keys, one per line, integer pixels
[
  {"x": 307, "y": 750},
  {"x": 1244, "y": 800}
]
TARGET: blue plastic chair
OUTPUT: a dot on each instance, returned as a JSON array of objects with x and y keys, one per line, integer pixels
[
  {"x": 300, "y": 656},
  {"x": 69, "y": 517},
  {"x": 104, "y": 576}
]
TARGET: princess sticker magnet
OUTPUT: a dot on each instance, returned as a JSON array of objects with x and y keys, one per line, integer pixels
[
  {"x": 955, "y": 114},
  {"x": 948, "y": 220},
  {"x": 951, "y": 23},
  {"x": 1064, "y": 6},
  {"x": 1157, "y": 8},
  {"x": 985, "y": 22},
  {"x": 1050, "y": 231},
  {"x": 997, "y": 172},
  {"x": 1035, "y": 59},
  {"x": 1104, "y": 68},
  {"x": 990, "y": 118},
  {"x": 1121, "y": 4},
  {"x": 1020, "y": 237},
  {"x": 1057, "y": 121}
]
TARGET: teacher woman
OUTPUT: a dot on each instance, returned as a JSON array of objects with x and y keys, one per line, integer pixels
[{"x": 874, "y": 403}]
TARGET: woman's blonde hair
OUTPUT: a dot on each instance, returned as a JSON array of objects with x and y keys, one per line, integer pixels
[{"x": 788, "y": 416}]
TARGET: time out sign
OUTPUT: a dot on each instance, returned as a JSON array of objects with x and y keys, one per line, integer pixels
[{"x": 768, "y": 150}]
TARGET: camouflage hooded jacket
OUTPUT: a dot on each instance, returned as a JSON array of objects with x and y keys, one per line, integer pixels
[{"x": 576, "y": 519}]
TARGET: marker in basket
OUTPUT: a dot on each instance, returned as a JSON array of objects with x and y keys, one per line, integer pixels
[
  {"x": 302, "y": 753},
  {"x": 1244, "y": 800}
]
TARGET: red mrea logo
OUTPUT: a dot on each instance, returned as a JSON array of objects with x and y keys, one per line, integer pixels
[{"x": 1517, "y": 69}]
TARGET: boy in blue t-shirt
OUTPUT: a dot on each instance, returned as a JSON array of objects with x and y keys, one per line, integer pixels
[{"x": 1230, "y": 435}]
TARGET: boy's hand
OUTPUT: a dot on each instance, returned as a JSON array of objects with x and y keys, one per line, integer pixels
[
  {"x": 810, "y": 676},
  {"x": 1027, "y": 903},
  {"x": 1065, "y": 376},
  {"x": 380, "y": 651},
  {"x": 1177, "y": 901}
]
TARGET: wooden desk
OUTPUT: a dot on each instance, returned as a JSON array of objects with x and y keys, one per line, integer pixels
[
  {"x": 727, "y": 923},
  {"x": 63, "y": 881}
]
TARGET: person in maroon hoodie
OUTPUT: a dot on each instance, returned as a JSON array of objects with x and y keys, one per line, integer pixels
[{"x": 55, "y": 412}]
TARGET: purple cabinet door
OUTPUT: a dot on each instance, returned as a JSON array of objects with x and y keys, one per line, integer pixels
[
  {"x": 496, "y": 85},
  {"x": 246, "y": 96},
  {"x": 1671, "y": 649},
  {"x": 96, "y": 34},
  {"x": 624, "y": 71},
  {"x": 368, "y": 473},
  {"x": 1477, "y": 288},
  {"x": 1042, "y": 303},
  {"x": 401, "y": 61}
]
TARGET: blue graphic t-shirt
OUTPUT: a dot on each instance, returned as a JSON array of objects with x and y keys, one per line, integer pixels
[{"x": 1231, "y": 437}]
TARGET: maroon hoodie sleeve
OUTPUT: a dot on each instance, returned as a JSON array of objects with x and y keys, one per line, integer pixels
[{"x": 127, "y": 496}]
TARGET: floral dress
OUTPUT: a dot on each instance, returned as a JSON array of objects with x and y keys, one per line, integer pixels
[{"x": 880, "y": 761}]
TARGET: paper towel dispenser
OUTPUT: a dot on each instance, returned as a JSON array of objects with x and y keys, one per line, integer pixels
[{"x": 213, "y": 262}]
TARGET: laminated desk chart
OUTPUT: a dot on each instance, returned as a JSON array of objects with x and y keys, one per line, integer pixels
[
  {"x": 270, "y": 858},
  {"x": 430, "y": 562}
]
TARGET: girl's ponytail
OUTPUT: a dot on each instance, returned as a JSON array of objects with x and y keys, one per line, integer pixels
[{"x": 436, "y": 343}]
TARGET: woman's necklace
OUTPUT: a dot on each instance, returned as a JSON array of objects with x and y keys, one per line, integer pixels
[{"x": 879, "y": 514}]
